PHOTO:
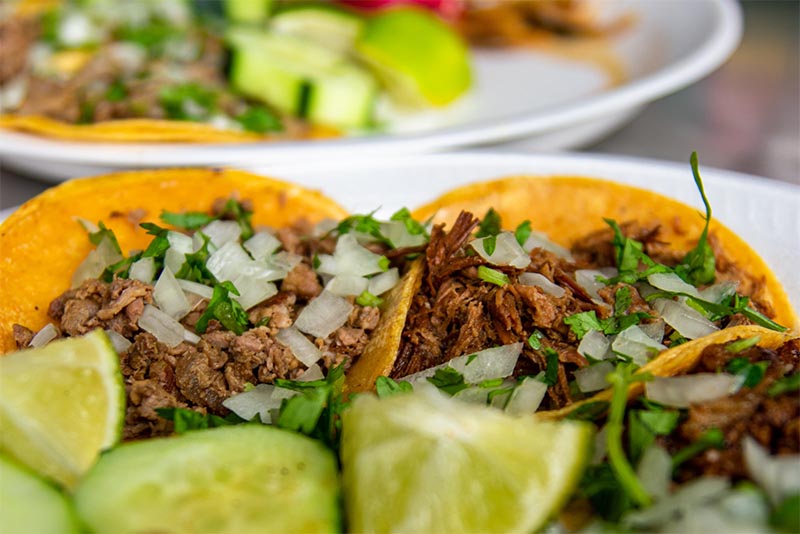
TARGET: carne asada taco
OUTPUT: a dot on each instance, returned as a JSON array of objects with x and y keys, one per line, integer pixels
[
  {"x": 546, "y": 309},
  {"x": 208, "y": 282}
]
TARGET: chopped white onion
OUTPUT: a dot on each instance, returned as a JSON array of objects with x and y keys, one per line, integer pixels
[
  {"x": 673, "y": 283},
  {"x": 655, "y": 471},
  {"x": 327, "y": 264},
  {"x": 506, "y": 251},
  {"x": 196, "y": 288},
  {"x": 312, "y": 373},
  {"x": 129, "y": 56},
  {"x": 696, "y": 493},
  {"x": 120, "y": 342},
  {"x": 258, "y": 401},
  {"x": 779, "y": 476},
  {"x": 180, "y": 242},
  {"x": 13, "y": 93},
  {"x": 526, "y": 397},
  {"x": 637, "y": 345},
  {"x": 398, "y": 234},
  {"x": 473, "y": 395},
  {"x": 228, "y": 261},
  {"x": 324, "y": 227},
  {"x": 44, "y": 336},
  {"x": 190, "y": 337},
  {"x": 303, "y": 349},
  {"x": 169, "y": 297},
  {"x": 253, "y": 291},
  {"x": 654, "y": 330},
  {"x": 682, "y": 391},
  {"x": 174, "y": 260},
  {"x": 345, "y": 285},
  {"x": 96, "y": 262},
  {"x": 262, "y": 245},
  {"x": 600, "y": 446},
  {"x": 383, "y": 282},
  {"x": 143, "y": 270},
  {"x": 587, "y": 279},
  {"x": 540, "y": 240},
  {"x": 354, "y": 259},
  {"x": 488, "y": 364},
  {"x": 593, "y": 377},
  {"x": 285, "y": 260},
  {"x": 719, "y": 293},
  {"x": 166, "y": 329},
  {"x": 689, "y": 322},
  {"x": 221, "y": 232},
  {"x": 595, "y": 345},
  {"x": 76, "y": 29},
  {"x": 539, "y": 280},
  {"x": 199, "y": 242},
  {"x": 323, "y": 315}
]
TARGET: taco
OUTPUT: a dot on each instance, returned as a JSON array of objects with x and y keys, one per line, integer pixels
[
  {"x": 203, "y": 294},
  {"x": 550, "y": 305}
]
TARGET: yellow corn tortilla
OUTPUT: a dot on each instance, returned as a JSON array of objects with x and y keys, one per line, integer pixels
[
  {"x": 568, "y": 208},
  {"x": 141, "y": 131},
  {"x": 42, "y": 243}
]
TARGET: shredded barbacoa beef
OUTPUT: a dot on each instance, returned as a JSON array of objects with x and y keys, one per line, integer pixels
[
  {"x": 457, "y": 313},
  {"x": 201, "y": 376},
  {"x": 772, "y": 421}
]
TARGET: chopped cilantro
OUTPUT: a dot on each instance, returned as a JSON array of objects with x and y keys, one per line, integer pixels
[
  {"x": 490, "y": 225},
  {"x": 117, "y": 92},
  {"x": 490, "y": 244},
  {"x": 608, "y": 498},
  {"x": 365, "y": 224},
  {"x": 368, "y": 299},
  {"x": 786, "y": 515},
  {"x": 153, "y": 35},
  {"x": 492, "y": 276},
  {"x": 383, "y": 263},
  {"x": 630, "y": 255},
  {"x": 698, "y": 266},
  {"x": 491, "y": 383},
  {"x": 243, "y": 216},
  {"x": 225, "y": 310},
  {"x": 413, "y": 226},
  {"x": 711, "y": 438},
  {"x": 448, "y": 380},
  {"x": 188, "y": 220},
  {"x": 471, "y": 358},
  {"x": 751, "y": 373},
  {"x": 185, "y": 420},
  {"x": 645, "y": 425},
  {"x": 581, "y": 323},
  {"x": 386, "y": 387},
  {"x": 499, "y": 392},
  {"x": 589, "y": 411},
  {"x": 551, "y": 371},
  {"x": 622, "y": 300},
  {"x": 187, "y": 102},
  {"x": 535, "y": 339},
  {"x": 785, "y": 385},
  {"x": 96, "y": 237},
  {"x": 315, "y": 261},
  {"x": 194, "y": 268},
  {"x": 260, "y": 120},
  {"x": 301, "y": 413},
  {"x": 735, "y": 347},
  {"x": 523, "y": 232}
]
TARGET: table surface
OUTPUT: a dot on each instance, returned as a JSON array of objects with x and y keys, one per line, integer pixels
[{"x": 744, "y": 117}]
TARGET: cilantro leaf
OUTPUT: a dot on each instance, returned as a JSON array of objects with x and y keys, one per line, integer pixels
[
  {"x": 187, "y": 102},
  {"x": 490, "y": 225},
  {"x": 750, "y": 373},
  {"x": 185, "y": 420},
  {"x": 622, "y": 300},
  {"x": 786, "y": 515},
  {"x": 365, "y": 224},
  {"x": 386, "y": 387},
  {"x": 225, "y": 310},
  {"x": 785, "y": 385},
  {"x": 535, "y": 339},
  {"x": 699, "y": 265},
  {"x": 189, "y": 220},
  {"x": 260, "y": 120},
  {"x": 711, "y": 438},
  {"x": 413, "y": 226},
  {"x": 492, "y": 276},
  {"x": 551, "y": 371},
  {"x": 368, "y": 299},
  {"x": 630, "y": 255},
  {"x": 448, "y": 380},
  {"x": 581, "y": 323},
  {"x": 490, "y": 244},
  {"x": 96, "y": 237},
  {"x": 236, "y": 211},
  {"x": 523, "y": 232},
  {"x": 645, "y": 425},
  {"x": 194, "y": 267},
  {"x": 302, "y": 412},
  {"x": 116, "y": 92},
  {"x": 739, "y": 345},
  {"x": 589, "y": 411}
]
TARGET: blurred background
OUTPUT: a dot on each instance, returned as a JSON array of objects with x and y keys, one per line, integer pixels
[{"x": 744, "y": 117}]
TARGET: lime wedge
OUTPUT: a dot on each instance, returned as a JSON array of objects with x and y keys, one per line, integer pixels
[
  {"x": 419, "y": 58},
  {"x": 60, "y": 405},
  {"x": 422, "y": 462},
  {"x": 30, "y": 504}
]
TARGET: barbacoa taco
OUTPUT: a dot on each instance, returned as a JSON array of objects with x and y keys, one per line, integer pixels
[
  {"x": 208, "y": 282},
  {"x": 563, "y": 279}
]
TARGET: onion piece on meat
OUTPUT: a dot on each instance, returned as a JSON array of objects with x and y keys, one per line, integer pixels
[
  {"x": 488, "y": 364},
  {"x": 143, "y": 270},
  {"x": 262, "y": 245},
  {"x": 44, "y": 336},
  {"x": 526, "y": 397},
  {"x": 654, "y": 330},
  {"x": 595, "y": 345},
  {"x": 637, "y": 345},
  {"x": 345, "y": 285},
  {"x": 682, "y": 391},
  {"x": 355, "y": 259},
  {"x": 13, "y": 93},
  {"x": 655, "y": 471},
  {"x": 196, "y": 288},
  {"x": 697, "y": 493},
  {"x": 228, "y": 261},
  {"x": 323, "y": 315},
  {"x": 593, "y": 378},
  {"x": 222, "y": 232},
  {"x": 253, "y": 290},
  {"x": 506, "y": 251},
  {"x": 327, "y": 264},
  {"x": 540, "y": 240},
  {"x": 689, "y": 322},
  {"x": 720, "y": 292},
  {"x": 169, "y": 297},
  {"x": 383, "y": 282},
  {"x": 673, "y": 283},
  {"x": 303, "y": 349},
  {"x": 539, "y": 280},
  {"x": 120, "y": 343},
  {"x": 258, "y": 401},
  {"x": 473, "y": 395},
  {"x": 587, "y": 279},
  {"x": 398, "y": 234},
  {"x": 190, "y": 337},
  {"x": 312, "y": 373},
  {"x": 166, "y": 329},
  {"x": 96, "y": 262},
  {"x": 779, "y": 476},
  {"x": 179, "y": 246}
]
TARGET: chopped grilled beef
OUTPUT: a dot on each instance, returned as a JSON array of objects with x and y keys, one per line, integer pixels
[
  {"x": 22, "y": 336},
  {"x": 17, "y": 34}
]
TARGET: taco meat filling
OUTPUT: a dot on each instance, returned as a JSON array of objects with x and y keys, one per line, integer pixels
[
  {"x": 575, "y": 308},
  {"x": 229, "y": 343}
]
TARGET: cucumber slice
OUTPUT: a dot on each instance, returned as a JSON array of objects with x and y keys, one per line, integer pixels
[
  {"x": 32, "y": 505},
  {"x": 345, "y": 97},
  {"x": 247, "y": 11},
  {"x": 326, "y": 25},
  {"x": 247, "y": 478}
]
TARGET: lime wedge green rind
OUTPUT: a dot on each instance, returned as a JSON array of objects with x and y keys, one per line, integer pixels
[
  {"x": 450, "y": 467},
  {"x": 61, "y": 404},
  {"x": 247, "y": 478}
]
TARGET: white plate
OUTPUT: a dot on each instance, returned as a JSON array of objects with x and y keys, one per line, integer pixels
[
  {"x": 562, "y": 103},
  {"x": 764, "y": 212}
]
